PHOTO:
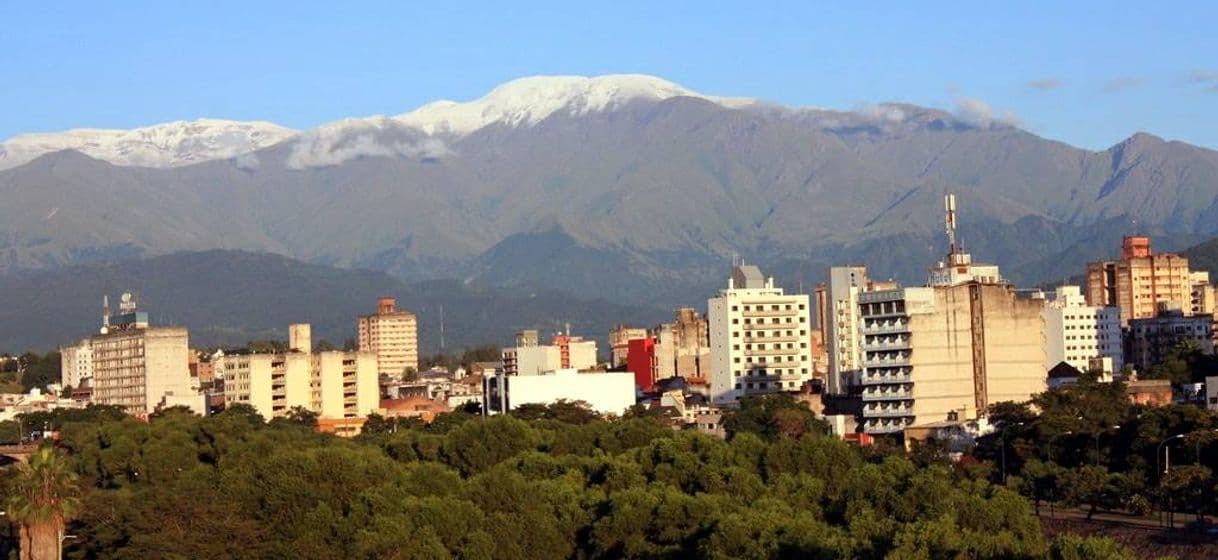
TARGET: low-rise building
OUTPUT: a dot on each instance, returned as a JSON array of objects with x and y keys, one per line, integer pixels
[
  {"x": 605, "y": 392},
  {"x": 1149, "y": 341}
]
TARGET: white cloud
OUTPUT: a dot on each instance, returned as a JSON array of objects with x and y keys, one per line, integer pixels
[
  {"x": 333, "y": 146},
  {"x": 979, "y": 113},
  {"x": 883, "y": 113}
]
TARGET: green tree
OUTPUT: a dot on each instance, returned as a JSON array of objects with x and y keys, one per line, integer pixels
[
  {"x": 1073, "y": 547},
  {"x": 42, "y": 498},
  {"x": 772, "y": 416}
]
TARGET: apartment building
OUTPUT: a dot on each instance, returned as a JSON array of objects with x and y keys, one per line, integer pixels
[
  {"x": 1150, "y": 340},
  {"x": 76, "y": 364},
  {"x": 682, "y": 347},
  {"x": 840, "y": 325},
  {"x": 137, "y": 367},
  {"x": 758, "y": 336},
  {"x": 947, "y": 352},
  {"x": 1077, "y": 333},
  {"x": 1140, "y": 280},
  {"x": 335, "y": 385},
  {"x": 392, "y": 335}
]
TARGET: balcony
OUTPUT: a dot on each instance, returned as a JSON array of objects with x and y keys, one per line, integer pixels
[
  {"x": 886, "y": 327},
  {"x": 766, "y": 339},
  {"x": 886, "y": 379},
  {"x": 883, "y": 427},
  {"x": 877, "y": 362},
  {"x": 881, "y": 395},
  {"x": 890, "y": 412},
  {"x": 899, "y": 344}
]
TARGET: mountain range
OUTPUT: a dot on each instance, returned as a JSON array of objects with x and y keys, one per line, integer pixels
[{"x": 625, "y": 187}]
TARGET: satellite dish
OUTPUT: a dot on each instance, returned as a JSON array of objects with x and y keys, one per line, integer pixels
[{"x": 126, "y": 297}]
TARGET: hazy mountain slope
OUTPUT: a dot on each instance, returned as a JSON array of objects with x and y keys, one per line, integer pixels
[
  {"x": 629, "y": 187},
  {"x": 229, "y": 297}
]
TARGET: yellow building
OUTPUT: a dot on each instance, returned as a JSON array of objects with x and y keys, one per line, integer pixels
[
  {"x": 947, "y": 352},
  {"x": 335, "y": 385},
  {"x": 392, "y": 335},
  {"x": 1140, "y": 280}
]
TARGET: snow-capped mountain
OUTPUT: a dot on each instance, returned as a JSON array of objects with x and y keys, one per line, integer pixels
[
  {"x": 527, "y": 101},
  {"x": 164, "y": 145}
]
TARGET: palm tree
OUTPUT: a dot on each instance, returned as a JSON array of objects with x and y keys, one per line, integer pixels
[{"x": 43, "y": 496}]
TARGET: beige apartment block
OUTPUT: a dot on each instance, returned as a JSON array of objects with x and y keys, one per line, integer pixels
[
  {"x": 1140, "y": 281},
  {"x": 332, "y": 384},
  {"x": 943, "y": 352},
  {"x": 392, "y": 335},
  {"x": 136, "y": 368}
]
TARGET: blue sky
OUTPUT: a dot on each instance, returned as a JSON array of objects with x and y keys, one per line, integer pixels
[{"x": 1088, "y": 73}]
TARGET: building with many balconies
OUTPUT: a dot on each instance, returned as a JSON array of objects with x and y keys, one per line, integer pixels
[{"x": 759, "y": 338}]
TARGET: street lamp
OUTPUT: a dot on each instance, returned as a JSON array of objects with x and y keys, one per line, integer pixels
[
  {"x": 1051, "y": 439},
  {"x": 1166, "y": 467},
  {"x": 1002, "y": 440}
]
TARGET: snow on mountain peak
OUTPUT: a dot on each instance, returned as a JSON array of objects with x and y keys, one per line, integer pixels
[
  {"x": 527, "y": 101},
  {"x": 168, "y": 144}
]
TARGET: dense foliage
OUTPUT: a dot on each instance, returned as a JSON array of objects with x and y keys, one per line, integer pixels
[
  {"x": 1087, "y": 445},
  {"x": 232, "y": 485}
]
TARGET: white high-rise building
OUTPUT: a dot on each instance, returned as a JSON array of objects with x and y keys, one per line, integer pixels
[
  {"x": 76, "y": 363},
  {"x": 1076, "y": 332},
  {"x": 759, "y": 338}
]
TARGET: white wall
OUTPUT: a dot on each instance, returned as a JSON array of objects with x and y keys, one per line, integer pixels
[{"x": 605, "y": 392}]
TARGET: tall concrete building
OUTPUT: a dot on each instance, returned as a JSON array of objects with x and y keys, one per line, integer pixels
[
  {"x": 1076, "y": 333},
  {"x": 335, "y": 385},
  {"x": 76, "y": 365},
  {"x": 1140, "y": 280},
  {"x": 947, "y": 350},
  {"x": 839, "y": 322},
  {"x": 944, "y": 352},
  {"x": 759, "y": 338},
  {"x": 138, "y": 366},
  {"x": 393, "y": 336}
]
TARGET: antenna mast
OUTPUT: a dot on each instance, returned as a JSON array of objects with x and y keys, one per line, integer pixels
[{"x": 949, "y": 206}]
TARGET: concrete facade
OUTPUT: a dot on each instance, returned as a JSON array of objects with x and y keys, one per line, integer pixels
[
  {"x": 605, "y": 392},
  {"x": 391, "y": 335},
  {"x": 943, "y": 352},
  {"x": 76, "y": 363},
  {"x": 759, "y": 338},
  {"x": 332, "y": 384},
  {"x": 1150, "y": 340},
  {"x": 136, "y": 367},
  {"x": 1140, "y": 281},
  {"x": 1075, "y": 332}
]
